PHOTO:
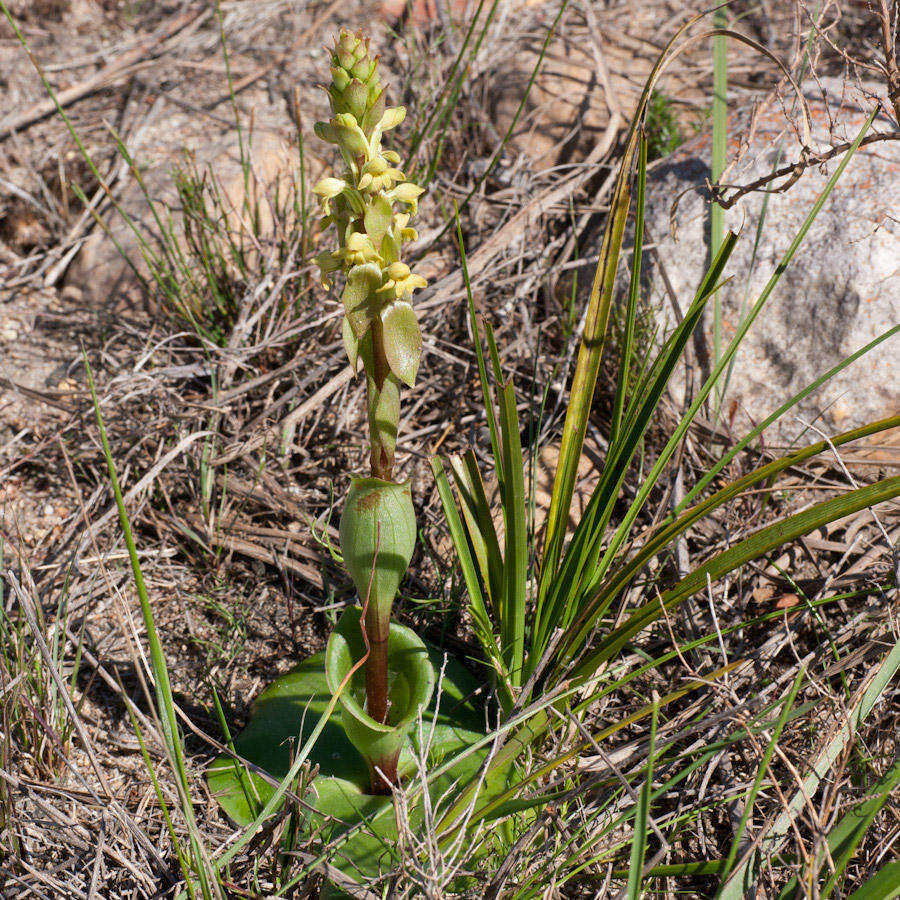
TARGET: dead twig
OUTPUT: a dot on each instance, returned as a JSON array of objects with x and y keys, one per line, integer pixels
[{"x": 124, "y": 65}]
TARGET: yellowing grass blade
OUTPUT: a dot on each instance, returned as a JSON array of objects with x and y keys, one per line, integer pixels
[
  {"x": 592, "y": 340},
  {"x": 774, "y": 839}
]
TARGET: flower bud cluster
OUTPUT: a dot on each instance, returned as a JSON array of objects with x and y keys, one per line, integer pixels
[{"x": 379, "y": 322}]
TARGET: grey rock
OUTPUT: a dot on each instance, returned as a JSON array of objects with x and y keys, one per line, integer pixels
[{"x": 841, "y": 290}]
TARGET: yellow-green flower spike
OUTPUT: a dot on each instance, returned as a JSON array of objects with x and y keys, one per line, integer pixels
[{"x": 370, "y": 205}]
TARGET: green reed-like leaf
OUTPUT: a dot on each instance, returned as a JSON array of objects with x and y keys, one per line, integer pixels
[
  {"x": 642, "y": 818},
  {"x": 761, "y": 772},
  {"x": 486, "y": 395},
  {"x": 587, "y": 367},
  {"x": 634, "y": 287},
  {"x": 753, "y": 547},
  {"x": 515, "y": 557},
  {"x": 479, "y": 523}
]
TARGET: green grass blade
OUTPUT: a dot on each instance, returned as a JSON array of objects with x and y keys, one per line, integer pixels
[
  {"x": 679, "y": 870},
  {"x": 240, "y": 770},
  {"x": 642, "y": 819},
  {"x": 422, "y": 132},
  {"x": 883, "y": 885},
  {"x": 486, "y": 395},
  {"x": 460, "y": 541},
  {"x": 634, "y": 288},
  {"x": 164, "y": 697},
  {"x": 515, "y": 557},
  {"x": 483, "y": 625},
  {"x": 160, "y": 798},
  {"x": 477, "y": 515},
  {"x": 452, "y": 101},
  {"x": 513, "y": 122},
  {"x": 753, "y": 547},
  {"x": 761, "y": 773}
]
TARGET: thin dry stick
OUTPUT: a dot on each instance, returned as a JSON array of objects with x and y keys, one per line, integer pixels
[
  {"x": 126, "y": 64},
  {"x": 112, "y": 802},
  {"x": 792, "y": 172},
  {"x": 291, "y": 419}
]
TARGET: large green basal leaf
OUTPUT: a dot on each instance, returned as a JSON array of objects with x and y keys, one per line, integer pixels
[{"x": 285, "y": 714}]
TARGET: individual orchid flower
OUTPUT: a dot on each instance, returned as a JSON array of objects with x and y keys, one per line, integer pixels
[
  {"x": 401, "y": 281},
  {"x": 379, "y": 175},
  {"x": 409, "y": 193},
  {"x": 328, "y": 264},
  {"x": 358, "y": 250},
  {"x": 327, "y": 189},
  {"x": 406, "y": 234}
]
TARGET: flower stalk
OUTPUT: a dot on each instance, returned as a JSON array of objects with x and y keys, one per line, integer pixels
[{"x": 369, "y": 206}]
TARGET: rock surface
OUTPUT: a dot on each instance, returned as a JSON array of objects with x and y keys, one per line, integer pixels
[{"x": 841, "y": 290}]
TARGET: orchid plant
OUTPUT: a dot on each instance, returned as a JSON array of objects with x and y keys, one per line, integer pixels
[
  {"x": 370, "y": 207},
  {"x": 353, "y": 708}
]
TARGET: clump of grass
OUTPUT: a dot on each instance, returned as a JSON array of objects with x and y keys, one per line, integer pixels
[
  {"x": 218, "y": 249},
  {"x": 661, "y": 126},
  {"x": 556, "y": 633},
  {"x": 33, "y": 714},
  {"x": 203, "y": 266}
]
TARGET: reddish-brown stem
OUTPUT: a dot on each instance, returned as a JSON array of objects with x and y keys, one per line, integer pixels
[
  {"x": 382, "y": 459},
  {"x": 377, "y": 632},
  {"x": 383, "y": 774},
  {"x": 377, "y": 678}
]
